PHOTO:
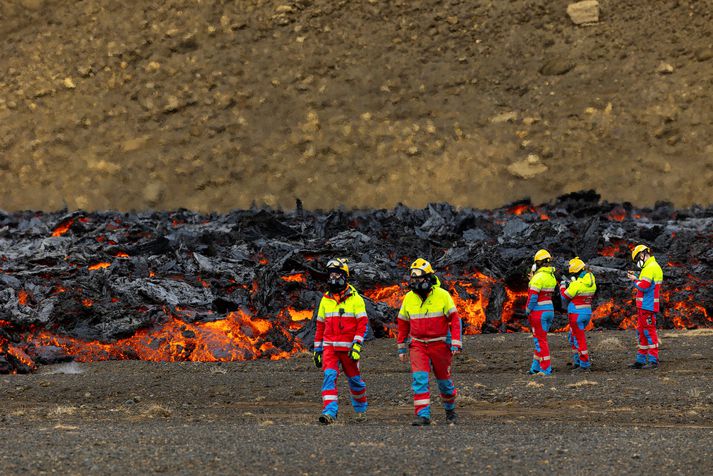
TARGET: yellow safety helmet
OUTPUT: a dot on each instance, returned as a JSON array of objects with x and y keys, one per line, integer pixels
[
  {"x": 421, "y": 267},
  {"x": 576, "y": 265},
  {"x": 638, "y": 249},
  {"x": 338, "y": 263},
  {"x": 542, "y": 255}
]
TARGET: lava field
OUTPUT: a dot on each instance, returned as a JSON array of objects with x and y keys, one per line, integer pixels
[{"x": 184, "y": 286}]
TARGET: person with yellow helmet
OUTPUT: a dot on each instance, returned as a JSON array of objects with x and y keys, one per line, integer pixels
[
  {"x": 648, "y": 292},
  {"x": 540, "y": 311},
  {"x": 341, "y": 326},
  {"x": 578, "y": 292},
  {"x": 428, "y": 318}
]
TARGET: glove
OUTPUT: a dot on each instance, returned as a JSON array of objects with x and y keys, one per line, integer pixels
[
  {"x": 455, "y": 349},
  {"x": 402, "y": 351},
  {"x": 317, "y": 357},
  {"x": 355, "y": 352}
]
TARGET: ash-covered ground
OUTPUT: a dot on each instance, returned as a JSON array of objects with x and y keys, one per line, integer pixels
[{"x": 260, "y": 417}]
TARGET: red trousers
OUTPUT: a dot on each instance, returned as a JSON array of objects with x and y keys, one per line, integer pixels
[
  {"x": 648, "y": 338},
  {"x": 540, "y": 322},
  {"x": 578, "y": 339},
  {"x": 331, "y": 359},
  {"x": 424, "y": 357}
]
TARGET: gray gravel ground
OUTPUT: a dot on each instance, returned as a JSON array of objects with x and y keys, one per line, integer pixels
[{"x": 260, "y": 417}]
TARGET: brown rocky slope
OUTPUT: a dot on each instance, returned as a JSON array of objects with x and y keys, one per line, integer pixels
[{"x": 215, "y": 105}]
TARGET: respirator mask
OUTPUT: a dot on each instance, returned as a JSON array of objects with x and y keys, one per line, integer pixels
[
  {"x": 419, "y": 282},
  {"x": 336, "y": 282}
]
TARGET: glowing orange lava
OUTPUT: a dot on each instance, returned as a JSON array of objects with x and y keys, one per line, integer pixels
[
  {"x": 101, "y": 265},
  {"x": 22, "y": 297},
  {"x": 237, "y": 337},
  {"x": 296, "y": 315},
  {"x": 295, "y": 278},
  {"x": 617, "y": 214},
  {"x": 63, "y": 227},
  {"x": 520, "y": 209},
  {"x": 391, "y": 295},
  {"x": 471, "y": 295},
  {"x": 515, "y": 303}
]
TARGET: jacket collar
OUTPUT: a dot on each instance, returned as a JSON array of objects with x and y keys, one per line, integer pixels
[
  {"x": 343, "y": 296},
  {"x": 546, "y": 269}
]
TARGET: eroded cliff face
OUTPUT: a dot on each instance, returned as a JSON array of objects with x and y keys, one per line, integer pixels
[{"x": 216, "y": 105}]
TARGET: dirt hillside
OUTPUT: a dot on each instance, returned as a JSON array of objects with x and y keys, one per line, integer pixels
[{"x": 213, "y": 105}]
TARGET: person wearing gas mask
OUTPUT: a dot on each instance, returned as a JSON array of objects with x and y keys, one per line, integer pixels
[
  {"x": 648, "y": 290},
  {"x": 578, "y": 292},
  {"x": 540, "y": 311},
  {"x": 341, "y": 326},
  {"x": 430, "y": 328}
]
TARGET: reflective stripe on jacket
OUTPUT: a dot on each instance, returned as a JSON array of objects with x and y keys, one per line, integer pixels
[
  {"x": 580, "y": 293},
  {"x": 429, "y": 320},
  {"x": 542, "y": 286},
  {"x": 341, "y": 320}
]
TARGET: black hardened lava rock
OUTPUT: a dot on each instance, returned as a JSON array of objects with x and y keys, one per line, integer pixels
[{"x": 243, "y": 285}]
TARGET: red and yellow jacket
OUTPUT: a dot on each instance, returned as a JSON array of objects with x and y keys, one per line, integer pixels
[
  {"x": 579, "y": 293},
  {"x": 542, "y": 286},
  {"x": 648, "y": 286},
  {"x": 341, "y": 320},
  {"x": 429, "y": 320}
]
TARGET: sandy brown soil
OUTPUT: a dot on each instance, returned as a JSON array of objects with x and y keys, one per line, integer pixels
[
  {"x": 260, "y": 417},
  {"x": 214, "y": 105}
]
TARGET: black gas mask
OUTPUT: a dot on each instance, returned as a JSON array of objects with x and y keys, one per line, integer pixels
[
  {"x": 336, "y": 281},
  {"x": 420, "y": 283}
]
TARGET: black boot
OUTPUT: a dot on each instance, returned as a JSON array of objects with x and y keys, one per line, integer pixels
[
  {"x": 325, "y": 419},
  {"x": 637, "y": 365},
  {"x": 451, "y": 417},
  {"x": 421, "y": 421}
]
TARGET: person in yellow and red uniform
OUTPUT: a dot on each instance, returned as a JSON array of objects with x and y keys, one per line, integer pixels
[
  {"x": 648, "y": 292},
  {"x": 341, "y": 326},
  {"x": 429, "y": 319},
  {"x": 579, "y": 293},
  {"x": 540, "y": 311}
]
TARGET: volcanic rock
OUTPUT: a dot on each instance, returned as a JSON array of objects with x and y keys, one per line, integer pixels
[{"x": 244, "y": 285}]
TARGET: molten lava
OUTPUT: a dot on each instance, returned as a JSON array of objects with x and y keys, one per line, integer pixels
[
  {"x": 522, "y": 208},
  {"x": 237, "y": 337},
  {"x": 391, "y": 295},
  {"x": 471, "y": 297},
  {"x": 613, "y": 249},
  {"x": 617, "y": 214},
  {"x": 296, "y": 315},
  {"x": 101, "y": 265},
  {"x": 63, "y": 227},
  {"x": 515, "y": 304},
  {"x": 295, "y": 278}
]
